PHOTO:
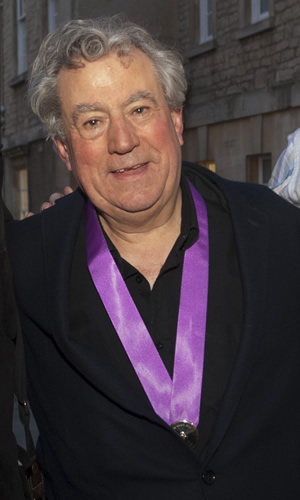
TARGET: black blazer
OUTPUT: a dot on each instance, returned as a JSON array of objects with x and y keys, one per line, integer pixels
[{"x": 99, "y": 435}]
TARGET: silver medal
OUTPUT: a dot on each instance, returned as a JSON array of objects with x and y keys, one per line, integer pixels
[{"x": 187, "y": 431}]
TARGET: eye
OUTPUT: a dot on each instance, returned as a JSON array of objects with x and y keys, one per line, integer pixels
[
  {"x": 92, "y": 128},
  {"x": 91, "y": 123},
  {"x": 141, "y": 110}
]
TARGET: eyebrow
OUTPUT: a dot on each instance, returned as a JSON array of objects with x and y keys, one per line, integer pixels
[
  {"x": 142, "y": 94},
  {"x": 84, "y": 108},
  {"x": 96, "y": 106}
]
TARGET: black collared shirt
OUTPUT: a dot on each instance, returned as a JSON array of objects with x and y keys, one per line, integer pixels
[{"x": 159, "y": 306}]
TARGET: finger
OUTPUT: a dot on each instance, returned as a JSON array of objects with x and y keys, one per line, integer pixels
[
  {"x": 45, "y": 205},
  {"x": 54, "y": 197},
  {"x": 68, "y": 190}
]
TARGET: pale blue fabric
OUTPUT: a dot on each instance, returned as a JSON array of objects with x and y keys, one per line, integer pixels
[{"x": 285, "y": 179}]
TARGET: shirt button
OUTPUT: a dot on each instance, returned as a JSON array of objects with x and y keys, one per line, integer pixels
[
  {"x": 159, "y": 346},
  {"x": 139, "y": 279},
  {"x": 208, "y": 477}
]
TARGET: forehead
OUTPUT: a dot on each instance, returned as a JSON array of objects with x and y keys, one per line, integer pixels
[{"x": 110, "y": 75}]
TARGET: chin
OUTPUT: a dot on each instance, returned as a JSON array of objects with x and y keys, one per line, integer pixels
[{"x": 135, "y": 206}]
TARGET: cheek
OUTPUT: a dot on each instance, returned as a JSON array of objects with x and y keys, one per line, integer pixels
[
  {"x": 157, "y": 137},
  {"x": 82, "y": 150},
  {"x": 164, "y": 134},
  {"x": 85, "y": 156}
]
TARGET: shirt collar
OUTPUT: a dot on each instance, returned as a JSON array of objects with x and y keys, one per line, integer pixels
[
  {"x": 188, "y": 235},
  {"x": 189, "y": 224}
]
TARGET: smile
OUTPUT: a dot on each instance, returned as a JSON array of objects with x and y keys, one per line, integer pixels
[{"x": 122, "y": 170}]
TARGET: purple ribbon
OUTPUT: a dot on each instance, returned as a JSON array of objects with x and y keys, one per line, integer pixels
[{"x": 172, "y": 400}]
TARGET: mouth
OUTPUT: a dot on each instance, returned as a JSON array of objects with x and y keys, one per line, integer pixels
[{"x": 122, "y": 170}]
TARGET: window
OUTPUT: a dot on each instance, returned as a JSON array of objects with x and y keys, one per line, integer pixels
[
  {"x": 206, "y": 20},
  {"x": 52, "y": 15},
  {"x": 258, "y": 168},
  {"x": 22, "y": 193},
  {"x": 21, "y": 37},
  {"x": 202, "y": 25},
  {"x": 256, "y": 16},
  {"x": 259, "y": 10}
]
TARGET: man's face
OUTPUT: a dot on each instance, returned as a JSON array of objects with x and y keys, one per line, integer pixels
[{"x": 122, "y": 141}]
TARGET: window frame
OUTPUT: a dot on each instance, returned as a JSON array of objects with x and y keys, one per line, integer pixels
[
  {"x": 250, "y": 25},
  {"x": 199, "y": 43},
  {"x": 206, "y": 21},
  {"x": 256, "y": 14},
  {"x": 259, "y": 168},
  {"x": 22, "y": 193},
  {"x": 21, "y": 14},
  {"x": 21, "y": 37},
  {"x": 52, "y": 15}
]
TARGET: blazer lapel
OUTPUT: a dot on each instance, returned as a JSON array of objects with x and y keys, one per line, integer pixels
[{"x": 250, "y": 228}]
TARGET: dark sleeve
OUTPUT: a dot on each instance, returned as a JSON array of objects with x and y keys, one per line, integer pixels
[
  {"x": 6, "y": 213},
  {"x": 10, "y": 484}
]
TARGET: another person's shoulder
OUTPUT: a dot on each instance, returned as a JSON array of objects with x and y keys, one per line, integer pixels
[{"x": 285, "y": 178}]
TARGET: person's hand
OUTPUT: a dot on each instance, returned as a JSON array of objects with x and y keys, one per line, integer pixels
[{"x": 52, "y": 200}]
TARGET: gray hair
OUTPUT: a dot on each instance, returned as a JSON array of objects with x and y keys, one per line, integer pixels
[{"x": 90, "y": 39}]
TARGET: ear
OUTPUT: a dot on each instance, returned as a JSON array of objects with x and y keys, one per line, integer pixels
[
  {"x": 176, "y": 115},
  {"x": 63, "y": 151}
]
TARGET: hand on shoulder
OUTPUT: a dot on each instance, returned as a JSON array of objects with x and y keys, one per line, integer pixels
[{"x": 52, "y": 199}]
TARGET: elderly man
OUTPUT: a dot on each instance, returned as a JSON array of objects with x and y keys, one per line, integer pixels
[{"x": 159, "y": 302}]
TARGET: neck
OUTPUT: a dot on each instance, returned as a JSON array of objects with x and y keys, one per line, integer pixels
[
  {"x": 129, "y": 227},
  {"x": 145, "y": 240}
]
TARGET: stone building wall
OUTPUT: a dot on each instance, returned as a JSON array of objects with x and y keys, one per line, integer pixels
[{"x": 247, "y": 77}]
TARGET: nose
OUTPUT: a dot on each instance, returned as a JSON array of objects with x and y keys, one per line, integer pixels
[{"x": 122, "y": 136}]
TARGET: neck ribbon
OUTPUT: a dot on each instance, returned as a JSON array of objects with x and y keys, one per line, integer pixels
[{"x": 177, "y": 399}]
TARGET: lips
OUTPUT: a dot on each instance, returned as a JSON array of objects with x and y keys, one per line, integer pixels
[{"x": 122, "y": 170}]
